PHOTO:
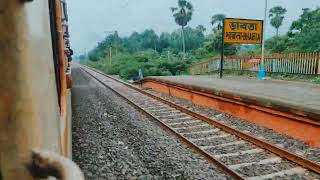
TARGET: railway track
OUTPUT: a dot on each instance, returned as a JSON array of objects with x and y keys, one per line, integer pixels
[{"x": 238, "y": 154}]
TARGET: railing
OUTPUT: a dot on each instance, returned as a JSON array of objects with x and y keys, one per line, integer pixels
[{"x": 301, "y": 63}]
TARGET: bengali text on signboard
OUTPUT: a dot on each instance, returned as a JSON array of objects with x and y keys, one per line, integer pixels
[{"x": 239, "y": 31}]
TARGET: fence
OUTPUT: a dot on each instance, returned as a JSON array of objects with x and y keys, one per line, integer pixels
[{"x": 301, "y": 63}]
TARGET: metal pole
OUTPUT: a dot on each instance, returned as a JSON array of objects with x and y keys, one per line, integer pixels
[
  {"x": 222, "y": 52},
  {"x": 110, "y": 53},
  {"x": 264, "y": 31}
]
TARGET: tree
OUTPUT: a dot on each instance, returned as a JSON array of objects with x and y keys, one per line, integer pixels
[
  {"x": 194, "y": 38},
  {"x": 213, "y": 44},
  {"x": 201, "y": 28},
  {"x": 217, "y": 20},
  {"x": 149, "y": 39},
  {"x": 303, "y": 35},
  {"x": 278, "y": 44},
  {"x": 304, "y": 32},
  {"x": 304, "y": 19},
  {"x": 164, "y": 41},
  {"x": 182, "y": 15},
  {"x": 276, "y": 15}
]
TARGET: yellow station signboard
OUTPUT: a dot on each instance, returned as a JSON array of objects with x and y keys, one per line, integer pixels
[{"x": 243, "y": 31}]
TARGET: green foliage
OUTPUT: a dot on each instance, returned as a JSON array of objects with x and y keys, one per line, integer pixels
[
  {"x": 103, "y": 46},
  {"x": 201, "y": 28},
  {"x": 151, "y": 63},
  {"x": 303, "y": 36},
  {"x": 276, "y": 15},
  {"x": 214, "y": 44},
  {"x": 304, "y": 32},
  {"x": 214, "y": 41},
  {"x": 155, "y": 55},
  {"x": 146, "y": 40},
  {"x": 217, "y": 21},
  {"x": 194, "y": 38},
  {"x": 249, "y": 50},
  {"x": 160, "y": 55},
  {"x": 278, "y": 44},
  {"x": 183, "y": 13}
]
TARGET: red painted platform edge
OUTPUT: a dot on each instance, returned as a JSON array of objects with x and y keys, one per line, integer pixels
[{"x": 311, "y": 114}]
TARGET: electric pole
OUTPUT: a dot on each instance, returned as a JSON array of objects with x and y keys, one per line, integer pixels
[
  {"x": 264, "y": 31},
  {"x": 110, "y": 54},
  {"x": 261, "y": 71}
]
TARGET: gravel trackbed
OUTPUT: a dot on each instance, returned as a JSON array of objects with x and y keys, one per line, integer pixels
[{"x": 113, "y": 140}]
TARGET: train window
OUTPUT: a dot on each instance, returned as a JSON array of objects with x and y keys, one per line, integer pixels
[
  {"x": 64, "y": 11},
  {"x": 54, "y": 44},
  {"x": 65, "y": 30}
]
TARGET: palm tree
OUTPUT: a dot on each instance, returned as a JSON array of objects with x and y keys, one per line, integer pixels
[
  {"x": 182, "y": 15},
  {"x": 217, "y": 20},
  {"x": 276, "y": 15}
]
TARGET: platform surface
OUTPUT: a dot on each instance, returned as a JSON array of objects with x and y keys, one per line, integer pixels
[{"x": 304, "y": 96}]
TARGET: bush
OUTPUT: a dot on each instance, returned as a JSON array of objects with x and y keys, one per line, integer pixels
[{"x": 150, "y": 62}]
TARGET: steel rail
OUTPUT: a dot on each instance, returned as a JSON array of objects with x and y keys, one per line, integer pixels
[
  {"x": 205, "y": 154},
  {"x": 252, "y": 104},
  {"x": 310, "y": 165}
]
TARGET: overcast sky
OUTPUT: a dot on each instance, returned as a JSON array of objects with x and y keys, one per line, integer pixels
[{"x": 90, "y": 20}]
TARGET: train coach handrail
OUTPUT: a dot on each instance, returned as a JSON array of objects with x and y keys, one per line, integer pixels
[{"x": 46, "y": 164}]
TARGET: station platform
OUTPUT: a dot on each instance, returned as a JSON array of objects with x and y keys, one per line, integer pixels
[{"x": 292, "y": 108}]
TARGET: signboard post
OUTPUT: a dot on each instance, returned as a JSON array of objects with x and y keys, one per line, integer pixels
[
  {"x": 240, "y": 31},
  {"x": 222, "y": 51}
]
